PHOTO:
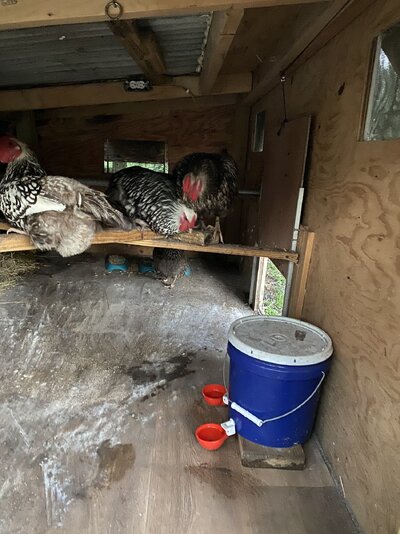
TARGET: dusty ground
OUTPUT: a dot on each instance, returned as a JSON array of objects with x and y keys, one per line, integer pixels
[
  {"x": 80, "y": 348},
  {"x": 100, "y": 394}
]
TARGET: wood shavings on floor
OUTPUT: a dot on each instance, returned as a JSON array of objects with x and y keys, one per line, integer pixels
[{"x": 13, "y": 266}]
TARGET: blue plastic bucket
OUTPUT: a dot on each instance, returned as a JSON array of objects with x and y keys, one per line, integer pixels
[{"x": 277, "y": 366}]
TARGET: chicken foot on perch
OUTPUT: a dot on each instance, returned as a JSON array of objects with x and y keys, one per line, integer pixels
[
  {"x": 16, "y": 231},
  {"x": 216, "y": 237}
]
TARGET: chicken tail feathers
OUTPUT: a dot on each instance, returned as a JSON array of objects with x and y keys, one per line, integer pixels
[{"x": 100, "y": 209}]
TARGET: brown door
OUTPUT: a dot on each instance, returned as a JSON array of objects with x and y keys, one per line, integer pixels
[{"x": 285, "y": 154}]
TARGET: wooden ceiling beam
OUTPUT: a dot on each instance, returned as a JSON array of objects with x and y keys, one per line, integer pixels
[
  {"x": 30, "y": 13},
  {"x": 224, "y": 25},
  {"x": 92, "y": 94},
  {"x": 140, "y": 109},
  {"x": 268, "y": 75},
  {"x": 143, "y": 47}
]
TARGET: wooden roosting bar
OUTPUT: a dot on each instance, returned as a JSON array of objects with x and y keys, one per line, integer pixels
[{"x": 194, "y": 241}]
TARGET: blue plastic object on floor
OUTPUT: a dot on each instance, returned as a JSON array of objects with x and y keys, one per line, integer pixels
[
  {"x": 116, "y": 263},
  {"x": 145, "y": 267}
]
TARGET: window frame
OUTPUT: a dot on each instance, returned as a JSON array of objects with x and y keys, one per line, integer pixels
[
  {"x": 369, "y": 91},
  {"x": 106, "y": 162}
]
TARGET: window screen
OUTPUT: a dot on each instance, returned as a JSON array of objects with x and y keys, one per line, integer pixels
[
  {"x": 383, "y": 114},
  {"x": 120, "y": 154}
]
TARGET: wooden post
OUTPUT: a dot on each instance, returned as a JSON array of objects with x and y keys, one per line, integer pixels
[
  {"x": 238, "y": 150},
  {"x": 260, "y": 285},
  {"x": 305, "y": 246}
]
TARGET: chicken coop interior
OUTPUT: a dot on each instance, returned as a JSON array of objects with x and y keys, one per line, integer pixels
[{"x": 170, "y": 173}]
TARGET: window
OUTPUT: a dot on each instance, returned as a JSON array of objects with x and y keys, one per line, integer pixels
[
  {"x": 258, "y": 134},
  {"x": 120, "y": 154},
  {"x": 383, "y": 114}
]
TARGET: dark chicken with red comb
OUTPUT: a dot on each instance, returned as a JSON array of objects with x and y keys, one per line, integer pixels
[
  {"x": 208, "y": 183},
  {"x": 58, "y": 213}
]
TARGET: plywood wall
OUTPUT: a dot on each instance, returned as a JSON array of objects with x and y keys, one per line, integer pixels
[
  {"x": 74, "y": 145},
  {"x": 353, "y": 205}
]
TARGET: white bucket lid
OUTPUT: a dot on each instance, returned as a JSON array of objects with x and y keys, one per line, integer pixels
[{"x": 280, "y": 340}]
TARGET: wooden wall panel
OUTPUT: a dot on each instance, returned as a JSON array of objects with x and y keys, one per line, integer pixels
[
  {"x": 353, "y": 206},
  {"x": 73, "y": 145},
  {"x": 284, "y": 163}
]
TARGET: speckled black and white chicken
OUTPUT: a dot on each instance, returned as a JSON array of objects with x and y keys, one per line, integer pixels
[
  {"x": 151, "y": 198},
  {"x": 208, "y": 183},
  {"x": 170, "y": 264},
  {"x": 58, "y": 213}
]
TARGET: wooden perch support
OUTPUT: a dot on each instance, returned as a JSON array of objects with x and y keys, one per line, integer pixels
[
  {"x": 305, "y": 245},
  {"x": 17, "y": 242}
]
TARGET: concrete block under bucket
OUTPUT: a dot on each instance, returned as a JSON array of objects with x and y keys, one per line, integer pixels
[{"x": 254, "y": 455}]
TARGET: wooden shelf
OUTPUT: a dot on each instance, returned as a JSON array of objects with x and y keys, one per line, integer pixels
[{"x": 193, "y": 242}]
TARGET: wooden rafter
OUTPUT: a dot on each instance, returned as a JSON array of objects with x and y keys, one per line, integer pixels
[
  {"x": 16, "y": 243},
  {"x": 268, "y": 75},
  {"x": 28, "y": 13},
  {"x": 142, "y": 46},
  {"x": 222, "y": 30},
  {"x": 91, "y": 94}
]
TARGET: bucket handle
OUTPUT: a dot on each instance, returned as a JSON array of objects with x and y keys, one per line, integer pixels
[{"x": 260, "y": 422}]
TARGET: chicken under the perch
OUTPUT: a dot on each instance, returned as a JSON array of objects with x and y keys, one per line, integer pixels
[
  {"x": 208, "y": 183},
  {"x": 170, "y": 264},
  {"x": 58, "y": 213},
  {"x": 151, "y": 198}
]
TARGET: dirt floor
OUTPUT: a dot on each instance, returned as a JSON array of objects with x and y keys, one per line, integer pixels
[{"x": 101, "y": 378}]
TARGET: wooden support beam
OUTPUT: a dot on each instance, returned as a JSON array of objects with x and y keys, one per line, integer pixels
[
  {"x": 143, "y": 47},
  {"x": 140, "y": 109},
  {"x": 305, "y": 246},
  {"x": 28, "y": 13},
  {"x": 113, "y": 92},
  {"x": 16, "y": 243},
  {"x": 268, "y": 75},
  {"x": 224, "y": 25}
]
